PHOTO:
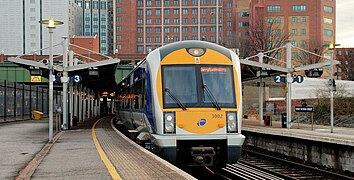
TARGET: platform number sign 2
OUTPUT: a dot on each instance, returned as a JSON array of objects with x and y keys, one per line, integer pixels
[{"x": 279, "y": 79}]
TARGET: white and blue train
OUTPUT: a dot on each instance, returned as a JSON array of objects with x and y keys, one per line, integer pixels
[{"x": 185, "y": 100}]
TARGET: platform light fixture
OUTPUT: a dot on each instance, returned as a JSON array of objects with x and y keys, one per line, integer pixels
[{"x": 51, "y": 26}]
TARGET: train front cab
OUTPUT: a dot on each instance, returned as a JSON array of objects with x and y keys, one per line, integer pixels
[{"x": 198, "y": 114}]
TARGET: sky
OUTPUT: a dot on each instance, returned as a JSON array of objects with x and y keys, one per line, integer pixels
[{"x": 345, "y": 23}]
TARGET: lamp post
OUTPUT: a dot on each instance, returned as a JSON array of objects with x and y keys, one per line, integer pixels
[
  {"x": 331, "y": 48},
  {"x": 51, "y": 26}
]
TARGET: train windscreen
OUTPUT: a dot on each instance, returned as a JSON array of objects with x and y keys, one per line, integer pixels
[{"x": 198, "y": 86}]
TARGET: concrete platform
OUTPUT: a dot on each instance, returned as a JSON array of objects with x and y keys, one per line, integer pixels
[
  {"x": 343, "y": 136},
  {"x": 91, "y": 151}
]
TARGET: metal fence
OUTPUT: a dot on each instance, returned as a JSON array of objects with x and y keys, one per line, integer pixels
[{"x": 17, "y": 101}]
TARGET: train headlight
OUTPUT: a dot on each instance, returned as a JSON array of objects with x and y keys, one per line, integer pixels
[
  {"x": 231, "y": 120},
  {"x": 196, "y": 52},
  {"x": 169, "y": 122}
]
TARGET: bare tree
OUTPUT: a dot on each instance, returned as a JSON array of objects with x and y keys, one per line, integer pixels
[
  {"x": 263, "y": 35},
  {"x": 306, "y": 58}
]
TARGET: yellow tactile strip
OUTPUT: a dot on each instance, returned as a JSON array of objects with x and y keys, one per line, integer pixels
[{"x": 130, "y": 162}]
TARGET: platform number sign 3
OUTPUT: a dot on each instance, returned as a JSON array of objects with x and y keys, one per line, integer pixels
[{"x": 77, "y": 78}]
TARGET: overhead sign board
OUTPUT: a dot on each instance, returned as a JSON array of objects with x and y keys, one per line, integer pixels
[{"x": 304, "y": 109}]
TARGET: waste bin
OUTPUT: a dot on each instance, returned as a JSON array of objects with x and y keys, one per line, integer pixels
[
  {"x": 283, "y": 120},
  {"x": 37, "y": 115},
  {"x": 267, "y": 120},
  {"x": 74, "y": 121}
]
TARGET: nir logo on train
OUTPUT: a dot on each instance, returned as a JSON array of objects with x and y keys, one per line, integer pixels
[{"x": 201, "y": 122}]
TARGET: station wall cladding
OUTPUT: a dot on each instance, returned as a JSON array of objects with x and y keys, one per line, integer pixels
[{"x": 334, "y": 155}]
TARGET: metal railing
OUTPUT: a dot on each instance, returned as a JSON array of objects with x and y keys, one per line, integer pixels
[{"x": 18, "y": 100}]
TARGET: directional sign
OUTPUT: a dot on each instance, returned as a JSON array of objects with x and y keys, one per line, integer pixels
[
  {"x": 298, "y": 79},
  {"x": 77, "y": 78},
  {"x": 304, "y": 109},
  {"x": 279, "y": 79}
]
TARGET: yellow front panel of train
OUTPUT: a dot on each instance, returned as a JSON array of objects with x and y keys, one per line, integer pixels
[{"x": 200, "y": 122}]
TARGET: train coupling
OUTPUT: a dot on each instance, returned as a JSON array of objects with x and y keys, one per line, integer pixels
[{"x": 202, "y": 156}]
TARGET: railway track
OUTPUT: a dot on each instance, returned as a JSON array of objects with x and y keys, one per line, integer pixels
[{"x": 255, "y": 165}]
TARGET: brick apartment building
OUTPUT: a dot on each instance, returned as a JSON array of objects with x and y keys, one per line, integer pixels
[
  {"x": 144, "y": 25},
  {"x": 345, "y": 70}
]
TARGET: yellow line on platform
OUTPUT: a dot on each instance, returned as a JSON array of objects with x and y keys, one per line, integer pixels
[{"x": 112, "y": 170}]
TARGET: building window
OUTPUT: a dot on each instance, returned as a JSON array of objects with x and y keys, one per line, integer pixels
[
  {"x": 140, "y": 21},
  {"x": 294, "y": 20},
  {"x": 167, "y": 30},
  {"x": 328, "y": 32},
  {"x": 32, "y": 9},
  {"x": 203, "y": 29},
  {"x": 300, "y": 8},
  {"x": 203, "y": 10},
  {"x": 175, "y": 11},
  {"x": 140, "y": 30},
  {"x": 149, "y": 12},
  {"x": 277, "y": 20},
  {"x": 167, "y": 3},
  {"x": 158, "y": 39},
  {"x": 158, "y": 11},
  {"x": 328, "y": 21},
  {"x": 294, "y": 31},
  {"x": 140, "y": 3},
  {"x": 148, "y": 3},
  {"x": 140, "y": 12},
  {"x": 87, "y": 4},
  {"x": 103, "y": 5},
  {"x": 294, "y": 43},
  {"x": 303, "y": 31},
  {"x": 158, "y": 2},
  {"x": 167, "y": 21},
  {"x": 175, "y": 2},
  {"x": 303, "y": 20},
  {"x": 95, "y": 5},
  {"x": 194, "y": 11},
  {"x": 140, "y": 48},
  {"x": 194, "y": 21},
  {"x": 119, "y": 37},
  {"x": 242, "y": 14},
  {"x": 185, "y": 11},
  {"x": 273, "y": 8},
  {"x": 243, "y": 24},
  {"x": 194, "y": 29},
  {"x": 149, "y": 30},
  {"x": 167, "y": 11},
  {"x": 119, "y": 19},
  {"x": 148, "y": 39},
  {"x": 175, "y": 20},
  {"x": 328, "y": 9},
  {"x": 278, "y": 32},
  {"x": 229, "y": 5},
  {"x": 158, "y": 30},
  {"x": 203, "y": 20},
  {"x": 176, "y": 29},
  {"x": 185, "y": 29},
  {"x": 185, "y": 2},
  {"x": 229, "y": 24},
  {"x": 158, "y": 21},
  {"x": 185, "y": 20},
  {"x": 149, "y": 21}
]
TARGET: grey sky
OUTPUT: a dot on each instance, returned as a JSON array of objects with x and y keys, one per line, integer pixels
[{"x": 345, "y": 23}]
